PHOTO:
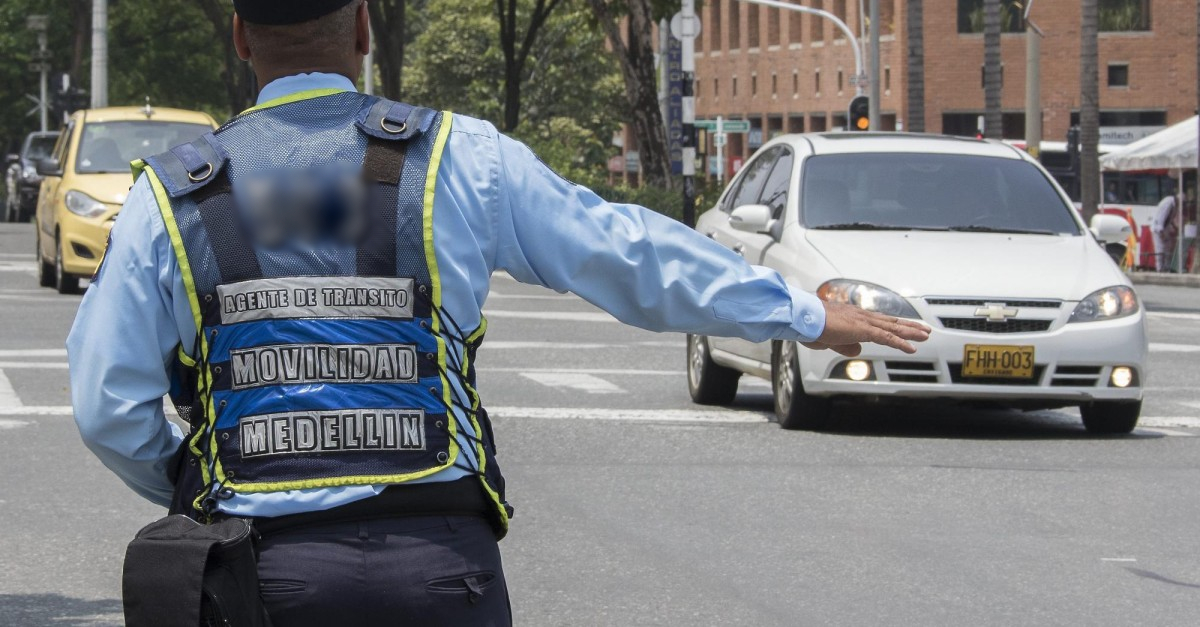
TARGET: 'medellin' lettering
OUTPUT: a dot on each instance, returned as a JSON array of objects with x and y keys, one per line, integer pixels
[{"x": 333, "y": 432}]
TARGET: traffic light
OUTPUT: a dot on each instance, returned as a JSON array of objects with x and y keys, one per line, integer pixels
[{"x": 858, "y": 115}]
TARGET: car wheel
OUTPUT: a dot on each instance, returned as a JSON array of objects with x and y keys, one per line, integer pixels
[
  {"x": 45, "y": 270},
  {"x": 63, "y": 282},
  {"x": 1111, "y": 416},
  {"x": 709, "y": 383},
  {"x": 795, "y": 408}
]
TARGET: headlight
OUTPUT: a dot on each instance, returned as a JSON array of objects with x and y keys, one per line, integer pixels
[
  {"x": 868, "y": 296},
  {"x": 81, "y": 204},
  {"x": 1106, "y": 304},
  {"x": 29, "y": 173}
]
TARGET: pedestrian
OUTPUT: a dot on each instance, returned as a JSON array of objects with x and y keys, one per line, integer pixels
[
  {"x": 328, "y": 374},
  {"x": 1164, "y": 230}
]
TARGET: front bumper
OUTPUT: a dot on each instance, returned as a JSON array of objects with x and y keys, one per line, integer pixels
[
  {"x": 1073, "y": 364},
  {"x": 83, "y": 241}
]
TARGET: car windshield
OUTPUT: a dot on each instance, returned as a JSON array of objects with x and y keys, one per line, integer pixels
[
  {"x": 110, "y": 146},
  {"x": 942, "y": 192},
  {"x": 40, "y": 147}
]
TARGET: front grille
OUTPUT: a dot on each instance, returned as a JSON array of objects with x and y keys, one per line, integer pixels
[
  {"x": 956, "y": 377},
  {"x": 1076, "y": 376},
  {"x": 911, "y": 371},
  {"x": 982, "y": 325},
  {"x": 977, "y": 302}
]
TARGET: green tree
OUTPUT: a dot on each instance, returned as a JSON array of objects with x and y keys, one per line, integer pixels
[{"x": 516, "y": 53}]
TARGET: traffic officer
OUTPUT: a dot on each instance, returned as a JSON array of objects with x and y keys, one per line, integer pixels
[{"x": 328, "y": 379}]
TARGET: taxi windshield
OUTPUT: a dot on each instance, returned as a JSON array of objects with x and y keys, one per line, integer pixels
[
  {"x": 941, "y": 192},
  {"x": 110, "y": 146}
]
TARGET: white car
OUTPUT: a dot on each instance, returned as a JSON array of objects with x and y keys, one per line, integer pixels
[{"x": 973, "y": 238}]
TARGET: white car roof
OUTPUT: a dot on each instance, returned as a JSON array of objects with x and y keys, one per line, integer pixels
[{"x": 856, "y": 142}]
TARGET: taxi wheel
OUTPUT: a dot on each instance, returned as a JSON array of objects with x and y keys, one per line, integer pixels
[
  {"x": 1111, "y": 416},
  {"x": 795, "y": 408},
  {"x": 63, "y": 282},
  {"x": 45, "y": 270},
  {"x": 709, "y": 383}
]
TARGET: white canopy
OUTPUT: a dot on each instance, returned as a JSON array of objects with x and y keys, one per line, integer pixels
[{"x": 1172, "y": 147}]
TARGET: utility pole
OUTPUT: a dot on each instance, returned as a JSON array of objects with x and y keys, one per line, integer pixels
[
  {"x": 874, "y": 101},
  {"x": 99, "y": 53},
  {"x": 688, "y": 28},
  {"x": 1033, "y": 86},
  {"x": 39, "y": 24}
]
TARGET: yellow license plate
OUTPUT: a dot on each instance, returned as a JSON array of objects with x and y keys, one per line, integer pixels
[{"x": 990, "y": 361}]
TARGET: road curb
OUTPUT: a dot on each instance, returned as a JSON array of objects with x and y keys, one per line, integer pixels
[{"x": 1164, "y": 278}]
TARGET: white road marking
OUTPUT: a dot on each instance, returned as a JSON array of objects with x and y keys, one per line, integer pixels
[
  {"x": 545, "y": 345},
  {"x": 566, "y": 316},
  {"x": 12, "y": 424},
  {"x": 1186, "y": 422},
  {"x": 33, "y": 365},
  {"x": 599, "y": 371},
  {"x": 1118, "y": 559},
  {"x": 17, "y": 256},
  {"x": 39, "y": 299},
  {"x": 635, "y": 415},
  {"x": 35, "y": 352},
  {"x": 575, "y": 381},
  {"x": 38, "y": 410},
  {"x": 1159, "y": 347},
  {"x": 1169, "y": 432},
  {"x": 8, "y": 395},
  {"x": 494, "y": 294},
  {"x": 1178, "y": 315},
  {"x": 18, "y": 266}
]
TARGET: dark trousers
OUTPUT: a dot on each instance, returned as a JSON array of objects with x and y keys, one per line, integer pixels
[{"x": 426, "y": 570}]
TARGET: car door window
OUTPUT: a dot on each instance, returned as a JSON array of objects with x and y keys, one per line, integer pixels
[
  {"x": 775, "y": 190},
  {"x": 64, "y": 140},
  {"x": 751, "y": 182}
]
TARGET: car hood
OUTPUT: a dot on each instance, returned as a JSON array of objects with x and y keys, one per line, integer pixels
[
  {"x": 927, "y": 263},
  {"x": 109, "y": 188}
]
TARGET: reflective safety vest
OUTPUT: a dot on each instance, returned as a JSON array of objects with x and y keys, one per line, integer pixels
[{"x": 330, "y": 364}]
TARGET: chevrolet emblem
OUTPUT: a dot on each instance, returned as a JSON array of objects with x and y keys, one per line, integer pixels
[{"x": 995, "y": 312}]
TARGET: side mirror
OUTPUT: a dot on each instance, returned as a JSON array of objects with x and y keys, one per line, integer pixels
[
  {"x": 10, "y": 159},
  {"x": 1110, "y": 229},
  {"x": 751, "y": 218},
  {"x": 49, "y": 167}
]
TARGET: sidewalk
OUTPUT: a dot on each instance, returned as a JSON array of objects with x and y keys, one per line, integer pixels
[{"x": 1165, "y": 278}]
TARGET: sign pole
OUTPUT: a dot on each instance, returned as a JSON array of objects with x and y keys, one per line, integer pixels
[
  {"x": 689, "y": 28},
  {"x": 719, "y": 140}
]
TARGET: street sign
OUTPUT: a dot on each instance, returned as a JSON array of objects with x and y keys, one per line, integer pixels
[
  {"x": 685, "y": 28},
  {"x": 719, "y": 140},
  {"x": 728, "y": 126},
  {"x": 39, "y": 66},
  {"x": 860, "y": 80}
]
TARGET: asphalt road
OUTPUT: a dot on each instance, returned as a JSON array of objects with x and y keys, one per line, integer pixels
[{"x": 636, "y": 507}]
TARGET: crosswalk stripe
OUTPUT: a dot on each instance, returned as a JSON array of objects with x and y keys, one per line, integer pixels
[
  {"x": 574, "y": 381},
  {"x": 35, "y": 352},
  {"x": 636, "y": 415},
  {"x": 8, "y": 395}
]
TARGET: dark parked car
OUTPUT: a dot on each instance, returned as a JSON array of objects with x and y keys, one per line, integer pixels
[{"x": 22, "y": 180}]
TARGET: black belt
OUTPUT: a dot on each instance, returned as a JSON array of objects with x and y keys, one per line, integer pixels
[{"x": 461, "y": 497}]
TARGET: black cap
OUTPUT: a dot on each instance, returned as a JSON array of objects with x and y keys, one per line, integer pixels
[{"x": 278, "y": 12}]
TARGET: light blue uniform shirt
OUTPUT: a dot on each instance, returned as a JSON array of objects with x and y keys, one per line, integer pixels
[{"x": 496, "y": 207}]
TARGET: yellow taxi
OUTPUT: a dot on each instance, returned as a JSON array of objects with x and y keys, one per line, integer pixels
[{"x": 87, "y": 177}]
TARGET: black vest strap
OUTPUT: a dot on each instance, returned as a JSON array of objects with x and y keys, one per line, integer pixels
[
  {"x": 230, "y": 245},
  {"x": 383, "y": 164}
]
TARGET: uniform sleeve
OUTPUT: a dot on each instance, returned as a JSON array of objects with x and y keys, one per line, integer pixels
[
  {"x": 642, "y": 267},
  {"x": 122, "y": 339}
]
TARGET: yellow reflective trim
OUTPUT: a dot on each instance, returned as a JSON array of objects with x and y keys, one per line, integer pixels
[
  {"x": 136, "y": 166},
  {"x": 186, "y": 358},
  {"x": 475, "y": 335},
  {"x": 295, "y": 97},
  {"x": 185, "y": 270},
  {"x": 329, "y": 482}
]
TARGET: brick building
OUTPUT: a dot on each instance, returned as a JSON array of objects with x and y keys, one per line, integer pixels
[{"x": 790, "y": 72}]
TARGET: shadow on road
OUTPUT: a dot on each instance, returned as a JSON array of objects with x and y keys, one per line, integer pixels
[
  {"x": 38, "y": 610},
  {"x": 962, "y": 422}
]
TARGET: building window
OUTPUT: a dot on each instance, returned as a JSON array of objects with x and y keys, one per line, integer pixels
[
  {"x": 716, "y": 88},
  {"x": 773, "y": 19},
  {"x": 887, "y": 17},
  {"x": 795, "y": 82},
  {"x": 774, "y": 84},
  {"x": 1127, "y": 118},
  {"x": 714, "y": 28},
  {"x": 795, "y": 25},
  {"x": 970, "y": 16},
  {"x": 1118, "y": 75},
  {"x": 817, "y": 82},
  {"x": 735, "y": 25},
  {"x": 816, "y": 24},
  {"x": 753, "y": 85},
  {"x": 752, "y": 25},
  {"x": 735, "y": 87},
  {"x": 1124, "y": 15},
  {"x": 887, "y": 78},
  {"x": 839, "y": 81},
  {"x": 839, "y": 10}
]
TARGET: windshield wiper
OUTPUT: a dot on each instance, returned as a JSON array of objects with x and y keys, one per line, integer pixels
[
  {"x": 975, "y": 228},
  {"x": 862, "y": 226}
]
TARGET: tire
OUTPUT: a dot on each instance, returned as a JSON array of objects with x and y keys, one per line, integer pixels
[
  {"x": 795, "y": 408},
  {"x": 709, "y": 383},
  {"x": 45, "y": 270},
  {"x": 1110, "y": 417},
  {"x": 63, "y": 282}
]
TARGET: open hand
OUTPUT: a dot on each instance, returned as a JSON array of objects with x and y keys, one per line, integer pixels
[{"x": 847, "y": 327}]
